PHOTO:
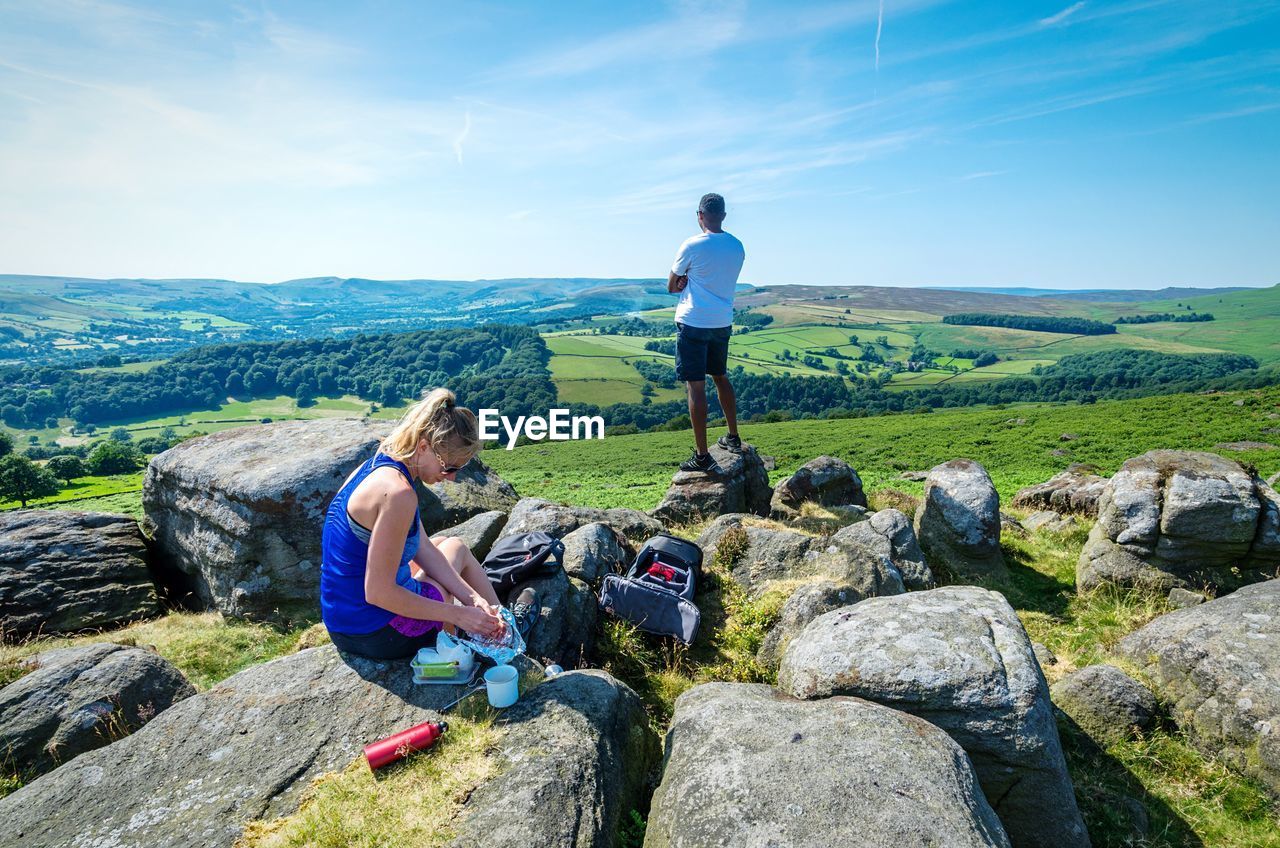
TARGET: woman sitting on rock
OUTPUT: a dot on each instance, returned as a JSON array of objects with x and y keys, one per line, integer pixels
[{"x": 385, "y": 589}]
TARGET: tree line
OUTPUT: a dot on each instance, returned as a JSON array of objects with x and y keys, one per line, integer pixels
[
  {"x": 1038, "y": 323},
  {"x": 1158, "y": 317},
  {"x": 495, "y": 365}
]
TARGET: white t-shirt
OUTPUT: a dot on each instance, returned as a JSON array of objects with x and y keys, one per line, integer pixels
[{"x": 713, "y": 262}]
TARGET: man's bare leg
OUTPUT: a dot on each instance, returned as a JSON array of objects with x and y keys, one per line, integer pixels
[
  {"x": 698, "y": 412},
  {"x": 728, "y": 401}
]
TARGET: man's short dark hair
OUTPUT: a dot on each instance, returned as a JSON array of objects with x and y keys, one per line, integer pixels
[{"x": 711, "y": 204}]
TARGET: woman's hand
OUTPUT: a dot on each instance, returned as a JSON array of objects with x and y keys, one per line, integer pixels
[{"x": 479, "y": 620}]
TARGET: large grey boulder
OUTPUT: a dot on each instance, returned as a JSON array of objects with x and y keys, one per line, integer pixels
[
  {"x": 594, "y": 550},
  {"x": 1105, "y": 701},
  {"x": 244, "y": 750},
  {"x": 826, "y": 481},
  {"x": 78, "y": 699},
  {"x": 958, "y": 521},
  {"x": 572, "y": 764},
  {"x": 746, "y": 765},
  {"x": 741, "y": 485},
  {"x": 1075, "y": 490},
  {"x": 474, "y": 490},
  {"x": 565, "y": 632},
  {"x": 536, "y": 514},
  {"x": 805, "y": 604},
  {"x": 959, "y": 658},
  {"x": 771, "y": 555},
  {"x": 237, "y": 516},
  {"x": 1049, "y": 521},
  {"x": 888, "y": 534},
  {"x": 478, "y": 533},
  {"x": 64, "y": 571},
  {"x": 239, "y": 513},
  {"x": 1182, "y": 518},
  {"x": 1217, "y": 666}
]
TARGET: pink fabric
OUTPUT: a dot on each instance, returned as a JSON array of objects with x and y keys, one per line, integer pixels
[{"x": 414, "y": 627}]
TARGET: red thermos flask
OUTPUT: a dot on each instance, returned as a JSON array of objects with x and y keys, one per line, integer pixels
[{"x": 397, "y": 747}]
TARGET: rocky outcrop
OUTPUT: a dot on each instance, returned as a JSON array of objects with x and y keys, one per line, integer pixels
[
  {"x": 474, "y": 490},
  {"x": 825, "y": 481},
  {"x": 1217, "y": 667},
  {"x": 741, "y": 485},
  {"x": 536, "y": 514},
  {"x": 244, "y": 750},
  {"x": 63, "y": 571},
  {"x": 478, "y": 533},
  {"x": 565, "y": 632},
  {"x": 1182, "y": 518},
  {"x": 592, "y": 551},
  {"x": 959, "y": 658},
  {"x": 771, "y": 554},
  {"x": 1075, "y": 490},
  {"x": 1180, "y": 598},
  {"x": 78, "y": 699},
  {"x": 746, "y": 765},
  {"x": 572, "y": 764},
  {"x": 888, "y": 534},
  {"x": 1105, "y": 701},
  {"x": 805, "y": 604},
  {"x": 1050, "y": 522},
  {"x": 958, "y": 521},
  {"x": 239, "y": 514}
]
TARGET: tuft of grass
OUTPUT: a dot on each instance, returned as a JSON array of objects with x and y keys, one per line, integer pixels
[
  {"x": 1081, "y": 629},
  {"x": 206, "y": 647},
  {"x": 414, "y": 802}
]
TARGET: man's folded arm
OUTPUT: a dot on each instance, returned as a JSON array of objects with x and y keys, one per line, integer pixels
[{"x": 676, "y": 282}]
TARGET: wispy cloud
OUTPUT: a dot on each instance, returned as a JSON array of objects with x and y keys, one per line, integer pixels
[
  {"x": 1054, "y": 20},
  {"x": 981, "y": 175},
  {"x": 461, "y": 137}
]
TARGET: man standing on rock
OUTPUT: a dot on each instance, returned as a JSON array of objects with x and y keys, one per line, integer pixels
[{"x": 705, "y": 274}]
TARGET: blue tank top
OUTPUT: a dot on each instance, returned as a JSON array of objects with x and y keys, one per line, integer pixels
[{"x": 344, "y": 557}]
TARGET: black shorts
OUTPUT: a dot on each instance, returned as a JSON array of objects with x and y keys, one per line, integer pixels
[
  {"x": 385, "y": 643},
  {"x": 701, "y": 351}
]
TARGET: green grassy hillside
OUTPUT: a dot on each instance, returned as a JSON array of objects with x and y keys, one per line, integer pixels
[{"x": 1017, "y": 444}]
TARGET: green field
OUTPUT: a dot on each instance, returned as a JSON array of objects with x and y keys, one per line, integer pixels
[{"x": 83, "y": 489}]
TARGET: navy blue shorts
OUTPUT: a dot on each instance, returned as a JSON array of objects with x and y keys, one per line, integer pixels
[{"x": 701, "y": 351}]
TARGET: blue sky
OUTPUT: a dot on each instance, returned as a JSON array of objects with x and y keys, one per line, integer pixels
[{"x": 914, "y": 142}]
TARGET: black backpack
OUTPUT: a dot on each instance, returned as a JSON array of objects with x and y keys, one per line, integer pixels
[
  {"x": 522, "y": 557},
  {"x": 657, "y": 592}
]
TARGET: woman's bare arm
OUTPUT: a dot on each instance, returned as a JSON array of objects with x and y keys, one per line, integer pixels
[{"x": 397, "y": 509}]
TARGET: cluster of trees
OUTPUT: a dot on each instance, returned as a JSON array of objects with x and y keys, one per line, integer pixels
[
  {"x": 1158, "y": 317},
  {"x": 634, "y": 327},
  {"x": 663, "y": 346},
  {"x": 24, "y": 480},
  {"x": 753, "y": 320},
  {"x": 981, "y": 358},
  {"x": 494, "y": 365},
  {"x": 663, "y": 376},
  {"x": 1038, "y": 323}
]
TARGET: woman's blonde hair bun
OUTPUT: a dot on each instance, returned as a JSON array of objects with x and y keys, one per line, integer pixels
[{"x": 450, "y": 429}]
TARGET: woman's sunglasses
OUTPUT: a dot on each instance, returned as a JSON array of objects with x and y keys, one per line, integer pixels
[{"x": 446, "y": 469}]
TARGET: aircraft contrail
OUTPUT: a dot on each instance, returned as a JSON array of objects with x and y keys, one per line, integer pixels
[{"x": 879, "y": 27}]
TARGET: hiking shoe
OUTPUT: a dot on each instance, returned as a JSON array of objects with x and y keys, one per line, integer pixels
[
  {"x": 731, "y": 443},
  {"x": 526, "y": 611},
  {"x": 700, "y": 462}
]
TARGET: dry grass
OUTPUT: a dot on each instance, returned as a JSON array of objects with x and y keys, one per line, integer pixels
[
  {"x": 414, "y": 802},
  {"x": 206, "y": 647}
]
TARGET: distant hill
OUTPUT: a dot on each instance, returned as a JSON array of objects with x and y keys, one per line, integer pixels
[{"x": 1101, "y": 295}]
